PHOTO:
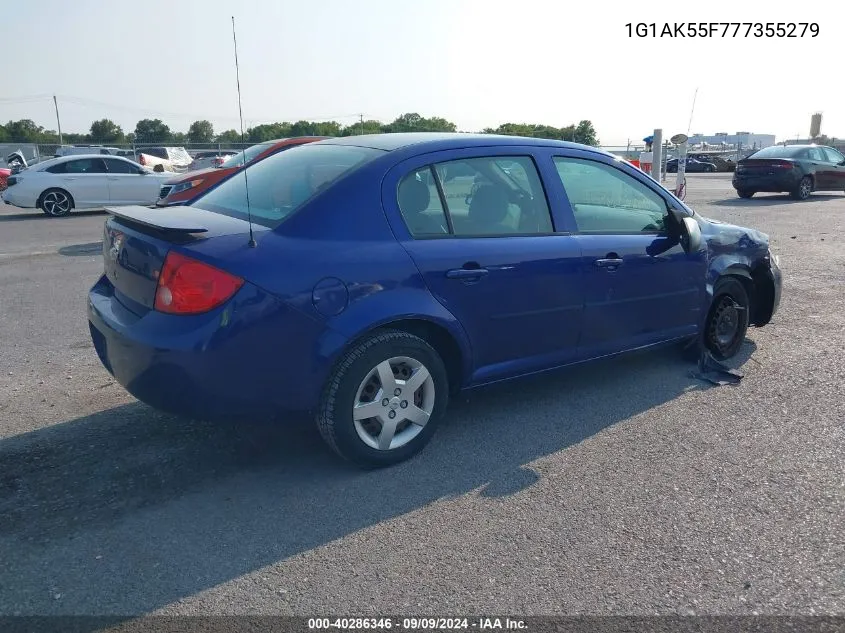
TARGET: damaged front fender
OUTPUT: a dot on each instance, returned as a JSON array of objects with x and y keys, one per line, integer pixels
[{"x": 743, "y": 253}]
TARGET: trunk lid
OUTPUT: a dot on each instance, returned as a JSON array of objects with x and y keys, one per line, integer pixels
[
  {"x": 137, "y": 239},
  {"x": 764, "y": 166}
]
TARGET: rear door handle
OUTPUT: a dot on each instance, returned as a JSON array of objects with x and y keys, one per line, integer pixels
[
  {"x": 608, "y": 263},
  {"x": 113, "y": 178},
  {"x": 466, "y": 273}
]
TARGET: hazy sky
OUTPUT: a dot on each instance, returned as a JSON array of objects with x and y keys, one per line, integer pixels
[{"x": 477, "y": 63}]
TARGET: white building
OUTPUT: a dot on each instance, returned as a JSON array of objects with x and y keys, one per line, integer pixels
[{"x": 745, "y": 140}]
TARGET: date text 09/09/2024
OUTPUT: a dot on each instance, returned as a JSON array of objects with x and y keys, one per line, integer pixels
[
  {"x": 723, "y": 29},
  {"x": 416, "y": 624}
]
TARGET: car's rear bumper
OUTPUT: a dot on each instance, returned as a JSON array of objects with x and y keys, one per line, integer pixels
[
  {"x": 253, "y": 356},
  {"x": 775, "y": 183},
  {"x": 15, "y": 199}
]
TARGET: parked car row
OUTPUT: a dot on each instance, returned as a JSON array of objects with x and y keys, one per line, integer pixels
[
  {"x": 692, "y": 165},
  {"x": 183, "y": 189},
  {"x": 362, "y": 279},
  {"x": 96, "y": 177},
  {"x": 59, "y": 185},
  {"x": 702, "y": 163},
  {"x": 171, "y": 158}
]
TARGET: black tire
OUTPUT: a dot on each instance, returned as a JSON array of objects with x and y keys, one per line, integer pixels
[
  {"x": 56, "y": 202},
  {"x": 710, "y": 170},
  {"x": 804, "y": 189},
  {"x": 335, "y": 415},
  {"x": 728, "y": 319},
  {"x": 743, "y": 193}
]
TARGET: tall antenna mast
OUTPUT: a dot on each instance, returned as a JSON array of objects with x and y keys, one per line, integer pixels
[
  {"x": 252, "y": 242},
  {"x": 689, "y": 125}
]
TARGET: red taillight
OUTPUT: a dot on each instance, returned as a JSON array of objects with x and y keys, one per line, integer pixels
[
  {"x": 142, "y": 160},
  {"x": 188, "y": 286},
  {"x": 783, "y": 164}
]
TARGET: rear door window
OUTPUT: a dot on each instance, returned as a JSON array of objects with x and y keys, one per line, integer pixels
[
  {"x": 85, "y": 166},
  {"x": 485, "y": 196},
  {"x": 420, "y": 204},
  {"x": 121, "y": 167}
]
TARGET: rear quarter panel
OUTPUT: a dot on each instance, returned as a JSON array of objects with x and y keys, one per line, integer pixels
[{"x": 337, "y": 261}]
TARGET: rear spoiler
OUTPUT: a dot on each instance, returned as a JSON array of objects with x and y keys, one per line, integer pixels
[{"x": 173, "y": 219}]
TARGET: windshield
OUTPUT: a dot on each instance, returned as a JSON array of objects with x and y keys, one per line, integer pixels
[
  {"x": 280, "y": 184},
  {"x": 777, "y": 151},
  {"x": 250, "y": 153}
]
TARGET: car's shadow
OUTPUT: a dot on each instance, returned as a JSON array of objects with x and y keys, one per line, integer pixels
[
  {"x": 79, "y": 250},
  {"x": 129, "y": 510},
  {"x": 763, "y": 200}
]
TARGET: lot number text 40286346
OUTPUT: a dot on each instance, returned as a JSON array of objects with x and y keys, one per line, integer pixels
[{"x": 723, "y": 29}]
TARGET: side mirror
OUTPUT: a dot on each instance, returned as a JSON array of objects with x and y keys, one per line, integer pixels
[{"x": 691, "y": 235}]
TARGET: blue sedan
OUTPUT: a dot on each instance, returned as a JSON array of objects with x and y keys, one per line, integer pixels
[{"x": 367, "y": 279}]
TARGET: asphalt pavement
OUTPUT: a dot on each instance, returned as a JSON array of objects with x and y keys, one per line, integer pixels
[{"x": 626, "y": 487}]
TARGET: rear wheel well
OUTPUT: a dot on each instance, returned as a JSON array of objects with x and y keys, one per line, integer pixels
[
  {"x": 440, "y": 339},
  {"x": 40, "y": 200}
]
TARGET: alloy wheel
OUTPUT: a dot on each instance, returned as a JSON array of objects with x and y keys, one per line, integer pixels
[
  {"x": 56, "y": 203},
  {"x": 805, "y": 188},
  {"x": 393, "y": 403}
]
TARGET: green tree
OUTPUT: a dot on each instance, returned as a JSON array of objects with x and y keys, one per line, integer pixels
[
  {"x": 229, "y": 136},
  {"x": 23, "y": 131},
  {"x": 106, "y": 131},
  {"x": 268, "y": 132},
  {"x": 4, "y": 135},
  {"x": 413, "y": 122},
  {"x": 201, "y": 132},
  {"x": 585, "y": 133},
  {"x": 581, "y": 133},
  {"x": 370, "y": 126},
  {"x": 151, "y": 131},
  {"x": 179, "y": 138},
  {"x": 315, "y": 128}
]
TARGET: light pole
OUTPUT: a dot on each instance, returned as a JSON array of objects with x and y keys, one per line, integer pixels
[{"x": 58, "y": 122}]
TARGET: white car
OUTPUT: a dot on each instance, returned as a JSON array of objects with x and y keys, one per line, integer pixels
[
  {"x": 59, "y": 185},
  {"x": 72, "y": 150},
  {"x": 204, "y": 159},
  {"x": 174, "y": 159}
]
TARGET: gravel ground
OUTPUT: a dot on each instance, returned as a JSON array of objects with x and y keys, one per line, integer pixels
[{"x": 622, "y": 488}]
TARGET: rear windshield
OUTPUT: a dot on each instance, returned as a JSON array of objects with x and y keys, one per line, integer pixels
[
  {"x": 283, "y": 182},
  {"x": 777, "y": 151},
  {"x": 250, "y": 153}
]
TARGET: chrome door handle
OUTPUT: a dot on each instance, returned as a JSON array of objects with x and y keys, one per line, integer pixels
[
  {"x": 609, "y": 263},
  {"x": 466, "y": 273}
]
